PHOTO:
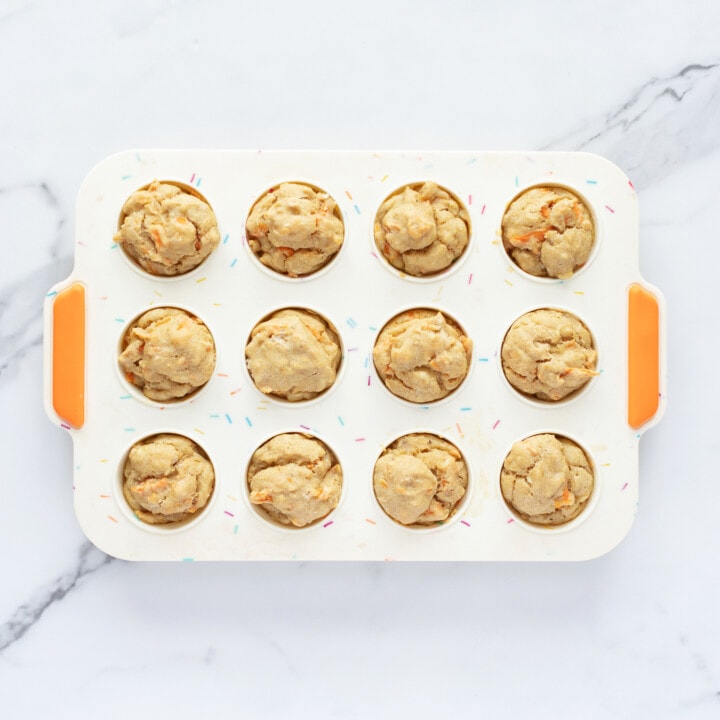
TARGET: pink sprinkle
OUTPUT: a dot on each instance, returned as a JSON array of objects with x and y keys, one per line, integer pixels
[
  {"x": 465, "y": 522},
  {"x": 511, "y": 520},
  {"x": 497, "y": 422},
  {"x": 459, "y": 429},
  {"x": 328, "y": 524},
  {"x": 192, "y": 178},
  {"x": 368, "y": 380},
  {"x": 610, "y": 209},
  {"x": 374, "y": 255},
  {"x": 630, "y": 184},
  {"x": 482, "y": 212},
  {"x": 469, "y": 199},
  {"x": 227, "y": 512},
  {"x": 470, "y": 278},
  {"x": 304, "y": 427},
  {"x": 65, "y": 426},
  {"x": 624, "y": 486},
  {"x": 359, "y": 439},
  {"x": 372, "y": 522}
]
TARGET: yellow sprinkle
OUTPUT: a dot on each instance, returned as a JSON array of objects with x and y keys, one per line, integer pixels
[
  {"x": 579, "y": 292},
  {"x": 234, "y": 499},
  {"x": 217, "y": 304},
  {"x": 198, "y": 430},
  {"x": 201, "y": 280},
  {"x": 384, "y": 178},
  {"x": 508, "y": 282},
  {"x": 104, "y": 460},
  {"x": 157, "y": 293}
]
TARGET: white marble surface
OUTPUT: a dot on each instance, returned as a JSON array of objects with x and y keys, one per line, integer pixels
[{"x": 631, "y": 635}]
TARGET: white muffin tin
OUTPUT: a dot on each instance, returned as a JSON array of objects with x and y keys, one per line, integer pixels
[{"x": 357, "y": 292}]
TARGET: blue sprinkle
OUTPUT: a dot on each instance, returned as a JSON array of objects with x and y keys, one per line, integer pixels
[
  {"x": 235, "y": 529},
  {"x": 113, "y": 246},
  {"x": 125, "y": 397},
  {"x": 232, "y": 264},
  {"x": 425, "y": 407},
  {"x": 357, "y": 209},
  {"x": 129, "y": 429},
  {"x": 225, "y": 239},
  {"x": 351, "y": 322},
  {"x": 197, "y": 184},
  {"x": 50, "y": 294},
  {"x": 247, "y": 420},
  {"x": 126, "y": 177},
  {"x": 120, "y": 320},
  {"x": 372, "y": 329},
  {"x": 228, "y": 418},
  {"x": 465, "y": 409},
  {"x": 367, "y": 361},
  {"x": 215, "y": 416},
  {"x": 591, "y": 182},
  {"x": 188, "y": 559},
  {"x": 341, "y": 421},
  {"x": 483, "y": 359}
]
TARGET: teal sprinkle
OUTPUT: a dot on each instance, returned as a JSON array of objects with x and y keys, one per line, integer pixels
[
  {"x": 465, "y": 409},
  {"x": 225, "y": 239},
  {"x": 113, "y": 246},
  {"x": 120, "y": 320},
  {"x": 235, "y": 529},
  {"x": 125, "y": 397},
  {"x": 228, "y": 418},
  {"x": 517, "y": 181},
  {"x": 483, "y": 359},
  {"x": 248, "y": 421},
  {"x": 341, "y": 421},
  {"x": 372, "y": 329},
  {"x": 129, "y": 429},
  {"x": 357, "y": 209},
  {"x": 51, "y": 294},
  {"x": 217, "y": 415},
  {"x": 232, "y": 264},
  {"x": 188, "y": 559},
  {"x": 197, "y": 184},
  {"x": 591, "y": 182},
  {"x": 126, "y": 177}
]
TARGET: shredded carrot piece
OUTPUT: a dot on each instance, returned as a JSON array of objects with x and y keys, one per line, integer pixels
[
  {"x": 286, "y": 251},
  {"x": 538, "y": 235}
]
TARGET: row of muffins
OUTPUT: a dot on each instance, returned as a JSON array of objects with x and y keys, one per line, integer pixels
[
  {"x": 295, "y": 230},
  {"x": 419, "y": 480},
  {"x": 421, "y": 355}
]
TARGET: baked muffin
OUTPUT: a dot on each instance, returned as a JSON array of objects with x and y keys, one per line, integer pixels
[
  {"x": 421, "y": 355},
  {"x": 167, "y": 478},
  {"x": 168, "y": 353},
  {"x": 294, "y": 479},
  {"x": 548, "y": 232},
  {"x": 548, "y": 354},
  {"x": 295, "y": 229},
  {"x": 420, "y": 479},
  {"x": 546, "y": 479},
  {"x": 421, "y": 229},
  {"x": 294, "y": 355},
  {"x": 167, "y": 231}
]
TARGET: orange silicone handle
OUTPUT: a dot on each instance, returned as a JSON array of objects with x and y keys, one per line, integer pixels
[
  {"x": 643, "y": 356},
  {"x": 68, "y": 352}
]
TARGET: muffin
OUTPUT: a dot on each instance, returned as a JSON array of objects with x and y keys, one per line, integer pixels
[
  {"x": 167, "y": 353},
  {"x": 546, "y": 479},
  {"x": 167, "y": 231},
  {"x": 294, "y": 479},
  {"x": 295, "y": 229},
  {"x": 421, "y": 229},
  {"x": 294, "y": 355},
  {"x": 420, "y": 479},
  {"x": 167, "y": 478},
  {"x": 548, "y": 232},
  {"x": 422, "y": 356},
  {"x": 548, "y": 354}
]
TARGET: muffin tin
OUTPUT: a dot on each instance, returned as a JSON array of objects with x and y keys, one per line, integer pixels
[{"x": 87, "y": 314}]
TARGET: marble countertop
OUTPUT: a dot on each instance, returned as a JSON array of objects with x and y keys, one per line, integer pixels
[{"x": 632, "y": 634}]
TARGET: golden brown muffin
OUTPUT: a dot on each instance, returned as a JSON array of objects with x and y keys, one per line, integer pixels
[
  {"x": 168, "y": 353},
  {"x": 294, "y": 354},
  {"x": 547, "y": 479},
  {"x": 167, "y": 231},
  {"x": 421, "y": 229},
  {"x": 167, "y": 478},
  {"x": 294, "y": 479},
  {"x": 422, "y": 356},
  {"x": 420, "y": 479},
  {"x": 548, "y": 354},
  {"x": 548, "y": 232},
  {"x": 295, "y": 229}
]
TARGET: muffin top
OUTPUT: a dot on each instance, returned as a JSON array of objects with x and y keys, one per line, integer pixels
[
  {"x": 548, "y": 354},
  {"x": 422, "y": 356},
  {"x": 422, "y": 229},
  {"x": 420, "y": 479},
  {"x": 168, "y": 353},
  {"x": 294, "y": 479},
  {"x": 295, "y": 229},
  {"x": 167, "y": 231},
  {"x": 167, "y": 479},
  {"x": 546, "y": 479},
  {"x": 548, "y": 232}
]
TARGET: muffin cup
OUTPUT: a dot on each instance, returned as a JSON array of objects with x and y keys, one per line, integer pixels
[
  {"x": 584, "y": 514},
  {"x": 161, "y": 528},
  {"x": 531, "y": 399},
  {"x": 432, "y": 277},
  {"x": 597, "y": 228},
  {"x": 284, "y": 277},
  {"x": 261, "y": 515},
  {"x": 458, "y": 510}
]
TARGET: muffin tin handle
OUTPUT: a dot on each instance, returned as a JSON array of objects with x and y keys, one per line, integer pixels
[
  {"x": 67, "y": 380},
  {"x": 645, "y": 347}
]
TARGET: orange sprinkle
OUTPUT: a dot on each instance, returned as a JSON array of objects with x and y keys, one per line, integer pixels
[
  {"x": 110, "y": 517},
  {"x": 349, "y": 195}
]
